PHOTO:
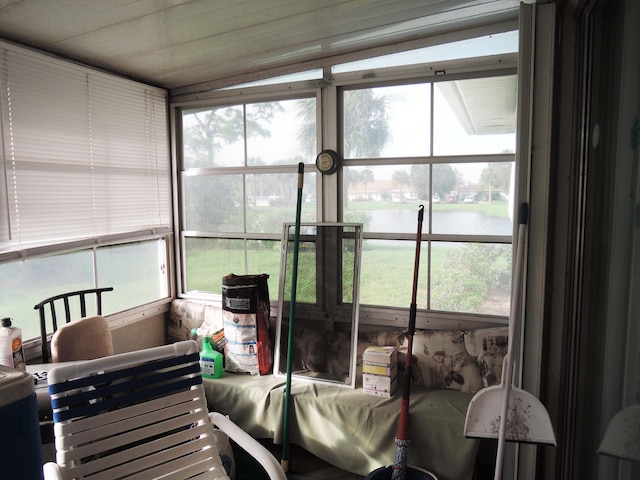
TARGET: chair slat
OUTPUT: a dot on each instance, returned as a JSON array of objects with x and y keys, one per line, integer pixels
[
  {"x": 112, "y": 436},
  {"x": 145, "y": 455},
  {"x": 74, "y": 427},
  {"x": 109, "y": 375}
]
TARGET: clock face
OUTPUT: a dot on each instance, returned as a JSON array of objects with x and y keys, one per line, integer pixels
[{"x": 327, "y": 162}]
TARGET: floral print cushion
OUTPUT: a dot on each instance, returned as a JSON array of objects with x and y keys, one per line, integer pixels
[
  {"x": 450, "y": 359},
  {"x": 488, "y": 347},
  {"x": 440, "y": 360}
]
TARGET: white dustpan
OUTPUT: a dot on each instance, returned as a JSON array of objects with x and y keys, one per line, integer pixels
[{"x": 527, "y": 419}]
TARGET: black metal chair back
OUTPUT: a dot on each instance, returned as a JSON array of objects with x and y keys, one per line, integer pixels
[{"x": 64, "y": 298}]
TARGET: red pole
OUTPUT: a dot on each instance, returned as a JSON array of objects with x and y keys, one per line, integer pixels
[{"x": 402, "y": 440}]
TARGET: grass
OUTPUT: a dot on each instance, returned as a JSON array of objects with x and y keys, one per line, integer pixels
[{"x": 385, "y": 279}]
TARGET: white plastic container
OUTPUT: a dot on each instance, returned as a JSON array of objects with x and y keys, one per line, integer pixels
[{"x": 11, "y": 354}]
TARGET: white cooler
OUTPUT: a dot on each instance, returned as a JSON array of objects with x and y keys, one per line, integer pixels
[{"x": 20, "y": 445}]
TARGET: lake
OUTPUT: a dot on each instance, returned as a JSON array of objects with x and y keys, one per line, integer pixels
[{"x": 447, "y": 222}]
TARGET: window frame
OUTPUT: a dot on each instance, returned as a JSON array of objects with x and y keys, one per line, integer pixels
[
  {"x": 227, "y": 98},
  {"x": 330, "y": 189},
  {"x": 389, "y": 316}
]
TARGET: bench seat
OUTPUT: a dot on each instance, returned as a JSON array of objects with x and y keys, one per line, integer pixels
[{"x": 349, "y": 429}]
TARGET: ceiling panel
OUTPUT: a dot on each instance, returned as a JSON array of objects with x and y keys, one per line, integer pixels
[{"x": 190, "y": 43}]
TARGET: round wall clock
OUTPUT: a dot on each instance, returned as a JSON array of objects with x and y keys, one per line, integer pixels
[{"x": 327, "y": 162}]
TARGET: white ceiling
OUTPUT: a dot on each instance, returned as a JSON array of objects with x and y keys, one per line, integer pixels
[{"x": 196, "y": 44}]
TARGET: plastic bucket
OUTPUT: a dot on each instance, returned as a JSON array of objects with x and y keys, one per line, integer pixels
[{"x": 413, "y": 473}]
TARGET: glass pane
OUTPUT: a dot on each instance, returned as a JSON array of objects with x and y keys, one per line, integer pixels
[
  {"x": 348, "y": 274},
  {"x": 271, "y": 201},
  {"x": 213, "y": 203},
  {"x": 263, "y": 256},
  {"x": 210, "y": 259},
  {"x": 281, "y": 133},
  {"x": 315, "y": 74},
  {"x": 27, "y": 282},
  {"x": 386, "y": 198},
  {"x": 213, "y": 137},
  {"x": 387, "y": 121},
  {"x": 499, "y": 43},
  {"x": 471, "y": 277},
  {"x": 136, "y": 271},
  {"x": 476, "y": 116},
  {"x": 472, "y": 199},
  {"x": 387, "y": 273},
  {"x": 306, "y": 284}
]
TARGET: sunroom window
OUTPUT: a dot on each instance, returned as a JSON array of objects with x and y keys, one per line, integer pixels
[
  {"x": 239, "y": 185},
  {"x": 450, "y": 146},
  {"x": 445, "y": 139}
]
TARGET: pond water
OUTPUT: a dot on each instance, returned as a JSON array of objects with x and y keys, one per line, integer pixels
[{"x": 449, "y": 222}]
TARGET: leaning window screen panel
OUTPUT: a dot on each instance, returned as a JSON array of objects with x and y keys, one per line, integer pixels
[{"x": 327, "y": 299}]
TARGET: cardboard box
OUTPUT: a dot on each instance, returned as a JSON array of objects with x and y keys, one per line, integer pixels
[
  {"x": 380, "y": 371},
  {"x": 379, "y": 385},
  {"x": 380, "y": 360}
]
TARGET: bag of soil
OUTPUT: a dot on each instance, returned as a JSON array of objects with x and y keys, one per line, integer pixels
[{"x": 245, "y": 312}]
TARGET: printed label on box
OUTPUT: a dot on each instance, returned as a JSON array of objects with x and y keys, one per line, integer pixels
[
  {"x": 380, "y": 385},
  {"x": 379, "y": 369}
]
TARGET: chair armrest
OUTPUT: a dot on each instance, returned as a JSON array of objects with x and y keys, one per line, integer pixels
[
  {"x": 250, "y": 445},
  {"x": 51, "y": 471}
]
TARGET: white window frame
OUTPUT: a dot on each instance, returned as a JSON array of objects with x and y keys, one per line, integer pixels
[{"x": 329, "y": 187}]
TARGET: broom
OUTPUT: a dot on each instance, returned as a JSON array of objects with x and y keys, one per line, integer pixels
[
  {"x": 284, "y": 462},
  {"x": 399, "y": 470}
]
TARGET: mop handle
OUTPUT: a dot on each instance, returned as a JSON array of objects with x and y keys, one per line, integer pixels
[
  {"x": 284, "y": 462},
  {"x": 507, "y": 371},
  {"x": 403, "y": 427}
]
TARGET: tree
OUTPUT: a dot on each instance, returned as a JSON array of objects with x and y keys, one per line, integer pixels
[
  {"x": 210, "y": 129},
  {"x": 366, "y": 176},
  {"x": 399, "y": 179},
  {"x": 307, "y": 131},
  {"x": 366, "y": 127},
  {"x": 420, "y": 180},
  {"x": 445, "y": 179},
  {"x": 496, "y": 176},
  {"x": 212, "y": 201}
]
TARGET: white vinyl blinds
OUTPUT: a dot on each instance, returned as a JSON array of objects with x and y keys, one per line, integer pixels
[{"x": 84, "y": 154}]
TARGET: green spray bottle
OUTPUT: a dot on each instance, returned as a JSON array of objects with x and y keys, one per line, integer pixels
[{"x": 210, "y": 360}]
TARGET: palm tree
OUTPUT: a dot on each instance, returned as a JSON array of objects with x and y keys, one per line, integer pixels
[
  {"x": 495, "y": 176},
  {"x": 399, "y": 179},
  {"x": 366, "y": 129},
  {"x": 366, "y": 176}
]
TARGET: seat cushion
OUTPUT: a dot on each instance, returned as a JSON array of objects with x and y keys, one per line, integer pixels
[{"x": 83, "y": 339}]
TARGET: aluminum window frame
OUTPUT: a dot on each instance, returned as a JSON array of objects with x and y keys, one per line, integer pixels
[{"x": 329, "y": 188}]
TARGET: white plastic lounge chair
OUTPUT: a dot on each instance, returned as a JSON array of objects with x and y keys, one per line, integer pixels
[{"x": 140, "y": 415}]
